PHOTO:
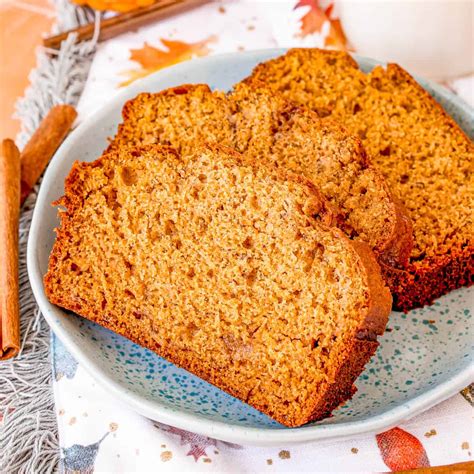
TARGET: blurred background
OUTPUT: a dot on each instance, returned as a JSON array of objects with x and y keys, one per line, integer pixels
[
  {"x": 22, "y": 26},
  {"x": 430, "y": 38}
]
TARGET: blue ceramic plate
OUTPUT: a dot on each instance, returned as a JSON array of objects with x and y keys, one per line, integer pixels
[{"x": 424, "y": 357}]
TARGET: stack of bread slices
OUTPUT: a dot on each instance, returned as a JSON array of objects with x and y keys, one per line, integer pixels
[{"x": 254, "y": 237}]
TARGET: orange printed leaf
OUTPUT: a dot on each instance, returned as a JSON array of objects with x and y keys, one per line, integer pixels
[
  {"x": 313, "y": 20},
  {"x": 336, "y": 37},
  {"x": 328, "y": 10},
  {"x": 401, "y": 450},
  {"x": 307, "y": 3},
  {"x": 151, "y": 59}
]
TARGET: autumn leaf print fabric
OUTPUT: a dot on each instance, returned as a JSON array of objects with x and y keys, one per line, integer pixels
[{"x": 99, "y": 433}]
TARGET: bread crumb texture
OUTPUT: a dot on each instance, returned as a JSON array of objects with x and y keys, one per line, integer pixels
[
  {"x": 267, "y": 128},
  {"x": 423, "y": 154},
  {"x": 225, "y": 268}
]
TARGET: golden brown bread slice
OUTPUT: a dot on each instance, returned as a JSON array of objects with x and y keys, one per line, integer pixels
[
  {"x": 225, "y": 268},
  {"x": 270, "y": 130},
  {"x": 424, "y": 155}
]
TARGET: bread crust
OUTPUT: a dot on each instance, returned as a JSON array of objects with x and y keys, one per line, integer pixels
[
  {"x": 363, "y": 343},
  {"x": 418, "y": 286},
  {"x": 394, "y": 250},
  {"x": 422, "y": 281},
  {"x": 363, "y": 346},
  {"x": 400, "y": 244},
  {"x": 405, "y": 76}
]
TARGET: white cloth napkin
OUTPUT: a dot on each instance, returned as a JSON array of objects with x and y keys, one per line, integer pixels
[{"x": 99, "y": 433}]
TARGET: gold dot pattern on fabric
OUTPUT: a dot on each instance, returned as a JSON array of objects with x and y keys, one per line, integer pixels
[{"x": 166, "y": 456}]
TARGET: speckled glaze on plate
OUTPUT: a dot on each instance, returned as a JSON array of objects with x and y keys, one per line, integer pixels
[{"x": 424, "y": 357}]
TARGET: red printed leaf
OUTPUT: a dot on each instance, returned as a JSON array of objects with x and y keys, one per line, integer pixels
[
  {"x": 401, "y": 450},
  {"x": 315, "y": 18},
  {"x": 328, "y": 10}
]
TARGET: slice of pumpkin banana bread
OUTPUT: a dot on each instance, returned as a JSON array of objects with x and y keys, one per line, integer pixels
[
  {"x": 226, "y": 269},
  {"x": 271, "y": 130},
  {"x": 424, "y": 155}
]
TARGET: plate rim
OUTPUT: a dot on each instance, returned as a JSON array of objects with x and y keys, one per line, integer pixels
[{"x": 200, "y": 423}]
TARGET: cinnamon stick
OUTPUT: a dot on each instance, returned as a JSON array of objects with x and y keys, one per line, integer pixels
[
  {"x": 42, "y": 145},
  {"x": 9, "y": 220},
  {"x": 125, "y": 22}
]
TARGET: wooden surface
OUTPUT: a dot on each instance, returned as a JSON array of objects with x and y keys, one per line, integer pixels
[
  {"x": 459, "y": 468},
  {"x": 125, "y": 22}
]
